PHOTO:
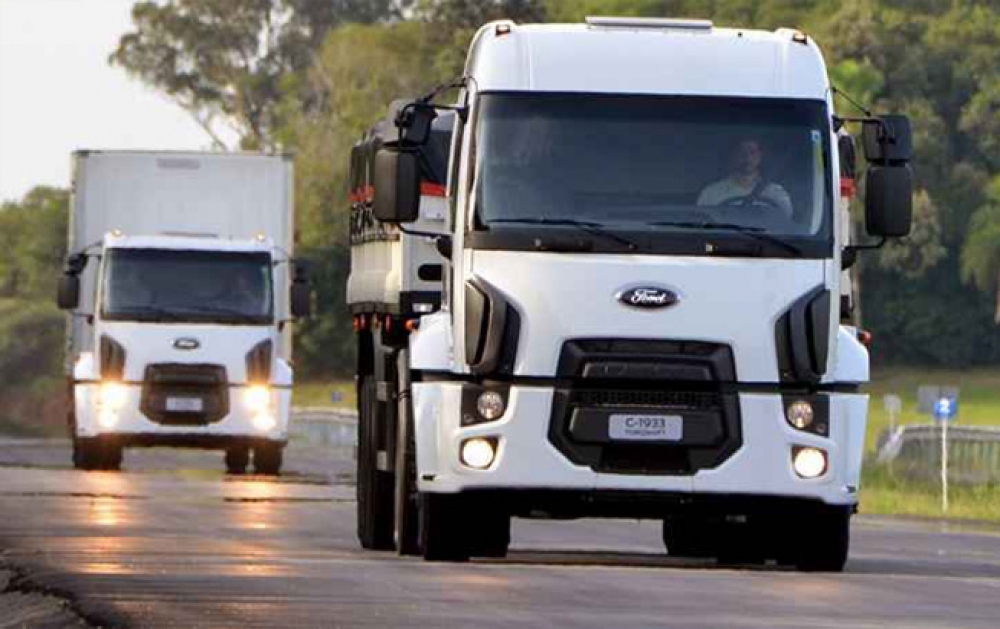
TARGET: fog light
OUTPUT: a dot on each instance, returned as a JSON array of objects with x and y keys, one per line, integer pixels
[
  {"x": 264, "y": 422},
  {"x": 800, "y": 414},
  {"x": 113, "y": 395},
  {"x": 490, "y": 405},
  {"x": 478, "y": 453},
  {"x": 809, "y": 462},
  {"x": 257, "y": 398}
]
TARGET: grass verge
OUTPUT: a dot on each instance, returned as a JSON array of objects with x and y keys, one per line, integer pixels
[
  {"x": 886, "y": 493},
  {"x": 322, "y": 393},
  {"x": 979, "y": 398}
]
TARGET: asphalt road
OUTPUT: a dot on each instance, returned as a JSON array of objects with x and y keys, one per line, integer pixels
[{"x": 173, "y": 542}]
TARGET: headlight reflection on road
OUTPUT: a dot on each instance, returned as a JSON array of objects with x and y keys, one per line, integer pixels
[{"x": 106, "y": 511}]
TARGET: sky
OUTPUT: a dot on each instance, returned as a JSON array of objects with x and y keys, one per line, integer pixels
[{"x": 58, "y": 93}]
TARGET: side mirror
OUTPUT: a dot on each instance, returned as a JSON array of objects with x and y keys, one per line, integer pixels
[
  {"x": 69, "y": 292},
  {"x": 301, "y": 298},
  {"x": 397, "y": 186},
  {"x": 889, "y": 201},
  {"x": 887, "y": 140},
  {"x": 888, "y": 145},
  {"x": 414, "y": 121}
]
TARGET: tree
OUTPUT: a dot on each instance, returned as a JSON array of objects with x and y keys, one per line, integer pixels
[
  {"x": 226, "y": 59},
  {"x": 33, "y": 243},
  {"x": 981, "y": 252},
  {"x": 471, "y": 14}
]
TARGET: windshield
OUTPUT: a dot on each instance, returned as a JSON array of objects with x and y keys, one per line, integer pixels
[
  {"x": 190, "y": 286},
  {"x": 648, "y": 165}
]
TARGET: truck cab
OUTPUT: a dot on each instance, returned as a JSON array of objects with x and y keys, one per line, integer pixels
[{"x": 644, "y": 255}]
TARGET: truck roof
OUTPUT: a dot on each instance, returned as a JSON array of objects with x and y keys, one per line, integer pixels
[
  {"x": 187, "y": 242},
  {"x": 644, "y": 56}
]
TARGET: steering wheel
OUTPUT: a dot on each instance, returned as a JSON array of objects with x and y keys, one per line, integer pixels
[{"x": 750, "y": 200}]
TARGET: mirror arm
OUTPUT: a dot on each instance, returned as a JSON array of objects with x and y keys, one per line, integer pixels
[
  {"x": 417, "y": 232},
  {"x": 850, "y": 254}
]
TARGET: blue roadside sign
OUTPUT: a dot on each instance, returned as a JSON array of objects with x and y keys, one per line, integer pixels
[{"x": 945, "y": 408}]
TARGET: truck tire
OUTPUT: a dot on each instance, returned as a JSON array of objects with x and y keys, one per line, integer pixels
[
  {"x": 237, "y": 459},
  {"x": 824, "y": 546},
  {"x": 85, "y": 455},
  {"x": 687, "y": 537},
  {"x": 406, "y": 511},
  {"x": 96, "y": 454},
  {"x": 375, "y": 490},
  {"x": 442, "y": 531},
  {"x": 492, "y": 534},
  {"x": 112, "y": 456},
  {"x": 267, "y": 458}
]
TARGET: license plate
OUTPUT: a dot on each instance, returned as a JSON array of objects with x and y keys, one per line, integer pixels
[
  {"x": 185, "y": 404},
  {"x": 646, "y": 427}
]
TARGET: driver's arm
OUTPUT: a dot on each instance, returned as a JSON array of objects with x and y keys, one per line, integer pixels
[
  {"x": 710, "y": 195},
  {"x": 779, "y": 197}
]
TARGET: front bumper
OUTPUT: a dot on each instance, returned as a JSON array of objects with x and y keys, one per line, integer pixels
[
  {"x": 527, "y": 460},
  {"x": 133, "y": 427}
]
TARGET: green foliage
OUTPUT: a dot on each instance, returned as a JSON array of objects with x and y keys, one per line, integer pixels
[
  {"x": 32, "y": 337},
  {"x": 471, "y": 14},
  {"x": 32, "y": 244},
  {"x": 352, "y": 91},
  {"x": 912, "y": 257}
]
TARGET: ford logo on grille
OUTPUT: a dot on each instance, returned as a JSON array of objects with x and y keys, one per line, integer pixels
[
  {"x": 187, "y": 343},
  {"x": 648, "y": 297}
]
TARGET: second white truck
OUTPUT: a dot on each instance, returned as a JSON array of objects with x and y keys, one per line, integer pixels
[
  {"x": 181, "y": 288},
  {"x": 641, "y": 260}
]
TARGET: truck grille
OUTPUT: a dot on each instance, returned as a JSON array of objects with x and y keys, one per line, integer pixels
[
  {"x": 663, "y": 399},
  {"x": 608, "y": 377},
  {"x": 185, "y": 395}
]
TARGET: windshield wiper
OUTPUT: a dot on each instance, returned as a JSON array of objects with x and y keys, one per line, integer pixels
[
  {"x": 221, "y": 311},
  {"x": 590, "y": 227},
  {"x": 158, "y": 314},
  {"x": 758, "y": 233}
]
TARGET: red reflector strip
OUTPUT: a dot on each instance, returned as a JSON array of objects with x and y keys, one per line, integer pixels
[
  {"x": 848, "y": 188},
  {"x": 428, "y": 189}
]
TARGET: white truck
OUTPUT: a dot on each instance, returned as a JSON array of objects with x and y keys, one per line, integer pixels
[
  {"x": 181, "y": 283},
  {"x": 642, "y": 254}
]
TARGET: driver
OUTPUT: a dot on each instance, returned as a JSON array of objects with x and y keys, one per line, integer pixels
[{"x": 745, "y": 186}]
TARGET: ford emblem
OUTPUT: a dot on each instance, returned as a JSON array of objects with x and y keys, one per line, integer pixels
[
  {"x": 187, "y": 343},
  {"x": 648, "y": 297}
]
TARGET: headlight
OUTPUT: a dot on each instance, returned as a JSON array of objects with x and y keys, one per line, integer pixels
[
  {"x": 809, "y": 462},
  {"x": 264, "y": 422},
  {"x": 490, "y": 405},
  {"x": 113, "y": 395},
  {"x": 478, "y": 453},
  {"x": 800, "y": 414},
  {"x": 257, "y": 398}
]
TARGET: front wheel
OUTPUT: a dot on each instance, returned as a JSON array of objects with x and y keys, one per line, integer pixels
[
  {"x": 267, "y": 458},
  {"x": 237, "y": 459},
  {"x": 442, "y": 534},
  {"x": 687, "y": 537},
  {"x": 824, "y": 544},
  {"x": 96, "y": 454}
]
